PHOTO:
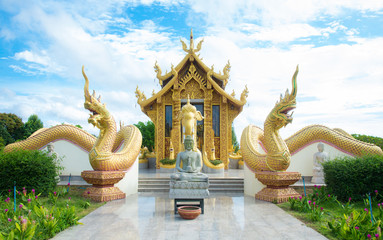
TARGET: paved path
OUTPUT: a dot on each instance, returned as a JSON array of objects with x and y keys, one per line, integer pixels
[{"x": 151, "y": 216}]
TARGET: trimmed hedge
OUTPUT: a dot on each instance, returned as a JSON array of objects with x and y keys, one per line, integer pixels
[
  {"x": 167, "y": 161},
  {"x": 30, "y": 169},
  {"x": 354, "y": 177},
  {"x": 216, "y": 162}
]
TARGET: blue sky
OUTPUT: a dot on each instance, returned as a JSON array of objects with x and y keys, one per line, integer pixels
[{"x": 337, "y": 44}]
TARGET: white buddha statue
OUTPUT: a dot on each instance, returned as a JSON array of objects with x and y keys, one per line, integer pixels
[{"x": 319, "y": 158}]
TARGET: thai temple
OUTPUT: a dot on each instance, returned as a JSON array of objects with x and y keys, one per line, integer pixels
[{"x": 206, "y": 90}]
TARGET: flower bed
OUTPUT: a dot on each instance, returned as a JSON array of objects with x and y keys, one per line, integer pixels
[
  {"x": 36, "y": 217},
  {"x": 339, "y": 220}
]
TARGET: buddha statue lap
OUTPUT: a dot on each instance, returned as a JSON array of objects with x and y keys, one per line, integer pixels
[{"x": 191, "y": 164}]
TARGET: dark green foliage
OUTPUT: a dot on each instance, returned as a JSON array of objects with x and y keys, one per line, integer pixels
[
  {"x": 354, "y": 177},
  {"x": 234, "y": 139},
  {"x": 167, "y": 161},
  {"x": 369, "y": 139},
  {"x": 32, "y": 125},
  {"x": 2, "y": 143},
  {"x": 215, "y": 162},
  {"x": 148, "y": 131},
  {"x": 4, "y": 134},
  {"x": 13, "y": 124},
  {"x": 30, "y": 169}
]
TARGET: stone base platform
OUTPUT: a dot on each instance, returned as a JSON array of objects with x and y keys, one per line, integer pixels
[
  {"x": 103, "y": 189},
  {"x": 188, "y": 190},
  {"x": 277, "y": 186}
]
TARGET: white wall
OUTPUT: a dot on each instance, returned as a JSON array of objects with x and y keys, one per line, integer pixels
[
  {"x": 74, "y": 159},
  {"x": 252, "y": 185},
  {"x": 302, "y": 161},
  {"x": 129, "y": 184}
]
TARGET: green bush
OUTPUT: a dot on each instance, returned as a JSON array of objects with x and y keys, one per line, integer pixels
[
  {"x": 369, "y": 139},
  {"x": 354, "y": 177},
  {"x": 30, "y": 169},
  {"x": 216, "y": 162},
  {"x": 167, "y": 161}
]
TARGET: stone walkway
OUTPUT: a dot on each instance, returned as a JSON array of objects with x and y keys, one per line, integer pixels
[{"x": 151, "y": 216}]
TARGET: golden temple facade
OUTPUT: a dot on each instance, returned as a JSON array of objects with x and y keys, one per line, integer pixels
[{"x": 206, "y": 89}]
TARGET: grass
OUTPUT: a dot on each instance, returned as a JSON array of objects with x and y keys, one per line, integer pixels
[{"x": 83, "y": 206}]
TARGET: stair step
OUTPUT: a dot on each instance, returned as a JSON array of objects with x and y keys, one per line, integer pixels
[{"x": 234, "y": 185}]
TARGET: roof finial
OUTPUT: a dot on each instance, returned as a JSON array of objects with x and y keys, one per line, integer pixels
[
  {"x": 191, "y": 47},
  {"x": 188, "y": 100},
  {"x": 191, "y": 40}
]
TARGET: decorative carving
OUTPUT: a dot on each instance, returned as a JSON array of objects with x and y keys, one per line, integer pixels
[
  {"x": 217, "y": 144},
  {"x": 244, "y": 95},
  {"x": 192, "y": 73},
  {"x": 192, "y": 88},
  {"x": 224, "y": 134},
  {"x": 140, "y": 96},
  {"x": 160, "y": 130},
  {"x": 167, "y": 147},
  {"x": 191, "y": 48}
]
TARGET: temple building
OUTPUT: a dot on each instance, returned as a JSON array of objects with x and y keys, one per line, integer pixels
[{"x": 191, "y": 78}]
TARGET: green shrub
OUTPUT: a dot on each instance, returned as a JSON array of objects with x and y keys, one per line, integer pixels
[
  {"x": 369, "y": 139},
  {"x": 216, "y": 162},
  {"x": 30, "y": 169},
  {"x": 167, "y": 161},
  {"x": 354, "y": 177}
]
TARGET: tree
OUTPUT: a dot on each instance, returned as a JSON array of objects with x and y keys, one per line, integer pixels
[
  {"x": 2, "y": 143},
  {"x": 148, "y": 132},
  {"x": 5, "y": 136},
  {"x": 13, "y": 125},
  {"x": 32, "y": 125},
  {"x": 234, "y": 139}
]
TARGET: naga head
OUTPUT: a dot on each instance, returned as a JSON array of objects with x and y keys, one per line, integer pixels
[
  {"x": 99, "y": 113},
  {"x": 280, "y": 115}
]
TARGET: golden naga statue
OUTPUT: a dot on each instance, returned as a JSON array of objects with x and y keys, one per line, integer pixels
[
  {"x": 105, "y": 152},
  {"x": 101, "y": 156},
  {"x": 278, "y": 150}
]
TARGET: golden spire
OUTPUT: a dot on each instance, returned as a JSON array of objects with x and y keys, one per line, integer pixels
[
  {"x": 191, "y": 47},
  {"x": 191, "y": 39}
]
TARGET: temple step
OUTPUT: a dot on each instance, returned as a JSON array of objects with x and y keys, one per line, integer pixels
[{"x": 219, "y": 185}]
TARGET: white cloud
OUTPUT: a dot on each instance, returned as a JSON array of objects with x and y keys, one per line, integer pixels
[{"x": 342, "y": 81}]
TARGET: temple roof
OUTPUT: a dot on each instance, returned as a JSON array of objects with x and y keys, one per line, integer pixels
[{"x": 218, "y": 81}]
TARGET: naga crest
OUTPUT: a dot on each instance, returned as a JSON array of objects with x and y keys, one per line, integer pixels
[
  {"x": 94, "y": 105},
  {"x": 279, "y": 115}
]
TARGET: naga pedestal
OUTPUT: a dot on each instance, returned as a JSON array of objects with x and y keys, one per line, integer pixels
[
  {"x": 277, "y": 186},
  {"x": 103, "y": 189}
]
